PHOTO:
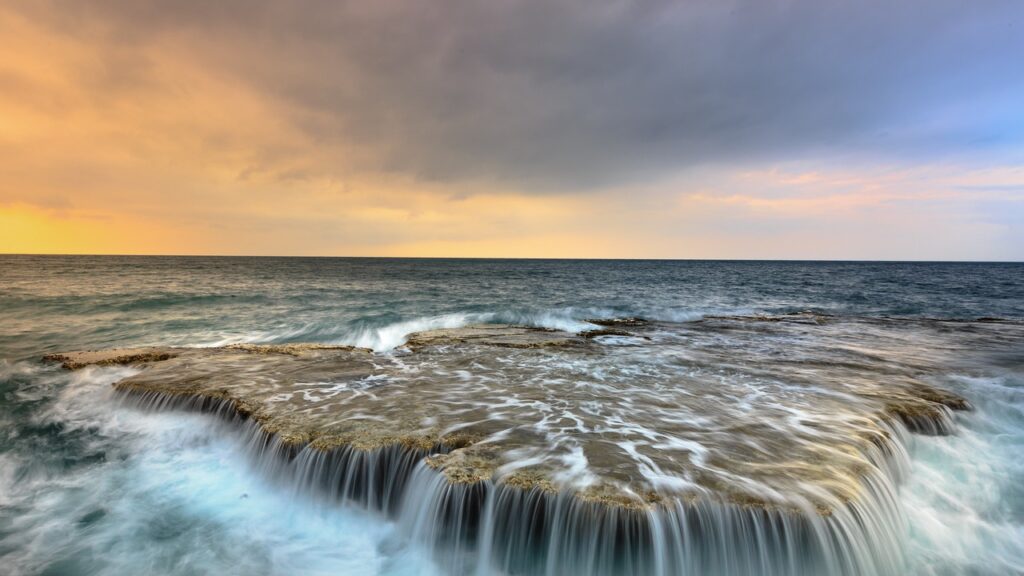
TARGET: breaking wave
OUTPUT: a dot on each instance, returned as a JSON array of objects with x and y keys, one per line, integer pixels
[{"x": 382, "y": 335}]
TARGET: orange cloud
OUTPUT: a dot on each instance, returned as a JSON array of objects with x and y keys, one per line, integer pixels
[{"x": 30, "y": 230}]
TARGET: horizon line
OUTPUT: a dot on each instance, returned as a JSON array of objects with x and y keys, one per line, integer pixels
[{"x": 543, "y": 258}]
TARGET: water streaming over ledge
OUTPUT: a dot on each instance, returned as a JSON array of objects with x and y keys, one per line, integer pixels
[
  {"x": 92, "y": 486},
  {"x": 484, "y": 528}
]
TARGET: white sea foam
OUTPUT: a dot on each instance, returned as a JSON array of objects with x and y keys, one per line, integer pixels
[
  {"x": 963, "y": 497},
  {"x": 175, "y": 494},
  {"x": 393, "y": 335}
]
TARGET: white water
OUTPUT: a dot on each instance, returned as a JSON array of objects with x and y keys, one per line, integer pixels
[
  {"x": 963, "y": 497},
  {"x": 176, "y": 495}
]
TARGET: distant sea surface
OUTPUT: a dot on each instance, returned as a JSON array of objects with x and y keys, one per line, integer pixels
[{"x": 88, "y": 488}]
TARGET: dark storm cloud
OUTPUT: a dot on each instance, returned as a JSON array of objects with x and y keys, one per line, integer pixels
[{"x": 565, "y": 94}]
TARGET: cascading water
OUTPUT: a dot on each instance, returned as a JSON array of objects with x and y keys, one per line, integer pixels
[{"x": 484, "y": 528}]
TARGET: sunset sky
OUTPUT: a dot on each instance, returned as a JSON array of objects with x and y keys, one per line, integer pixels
[{"x": 690, "y": 129}]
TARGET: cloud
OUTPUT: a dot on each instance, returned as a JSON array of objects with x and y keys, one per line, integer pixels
[{"x": 573, "y": 94}]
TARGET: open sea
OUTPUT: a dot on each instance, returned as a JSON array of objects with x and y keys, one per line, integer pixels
[{"x": 89, "y": 486}]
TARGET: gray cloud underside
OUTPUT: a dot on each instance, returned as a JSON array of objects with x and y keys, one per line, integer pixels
[{"x": 571, "y": 94}]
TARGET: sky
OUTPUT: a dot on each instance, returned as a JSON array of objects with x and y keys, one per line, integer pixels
[{"x": 794, "y": 129}]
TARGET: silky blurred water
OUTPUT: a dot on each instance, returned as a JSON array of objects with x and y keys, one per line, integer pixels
[{"x": 89, "y": 488}]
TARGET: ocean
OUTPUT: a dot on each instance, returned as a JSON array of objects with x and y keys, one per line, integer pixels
[{"x": 90, "y": 485}]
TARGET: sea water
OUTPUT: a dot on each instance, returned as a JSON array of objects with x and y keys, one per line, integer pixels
[{"x": 89, "y": 486}]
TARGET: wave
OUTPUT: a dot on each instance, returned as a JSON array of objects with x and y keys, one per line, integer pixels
[
  {"x": 384, "y": 333},
  {"x": 392, "y": 335},
  {"x": 381, "y": 336}
]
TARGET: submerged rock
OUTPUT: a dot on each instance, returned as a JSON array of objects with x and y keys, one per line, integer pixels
[
  {"x": 501, "y": 335},
  {"x": 614, "y": 322},
  {"x": 605, "y": 332},
  {"x": 111, "y": 357},
  {"x": 292, "y": 349}
]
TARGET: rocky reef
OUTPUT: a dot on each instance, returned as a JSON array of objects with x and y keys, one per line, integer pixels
[{"x": 636, "y": 447}]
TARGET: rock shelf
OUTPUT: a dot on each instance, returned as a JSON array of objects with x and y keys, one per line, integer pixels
[{"x": 674, "y": 416}]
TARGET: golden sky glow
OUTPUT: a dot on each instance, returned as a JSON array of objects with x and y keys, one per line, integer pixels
[{"x": 168, "y": 145}]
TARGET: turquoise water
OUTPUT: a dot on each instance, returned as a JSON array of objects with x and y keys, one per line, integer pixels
[{"x": 87, "y": 487}]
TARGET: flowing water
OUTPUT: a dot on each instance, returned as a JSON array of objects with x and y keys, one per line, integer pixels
[{"x": 89, "y": 485}]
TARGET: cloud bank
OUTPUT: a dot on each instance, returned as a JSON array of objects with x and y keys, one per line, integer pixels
[{"x": 366, "y": 116}]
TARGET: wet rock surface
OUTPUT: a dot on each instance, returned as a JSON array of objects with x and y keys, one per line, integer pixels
[
  {"x": 112, "y": 357},
  {"x": 795, "y": 412}
]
